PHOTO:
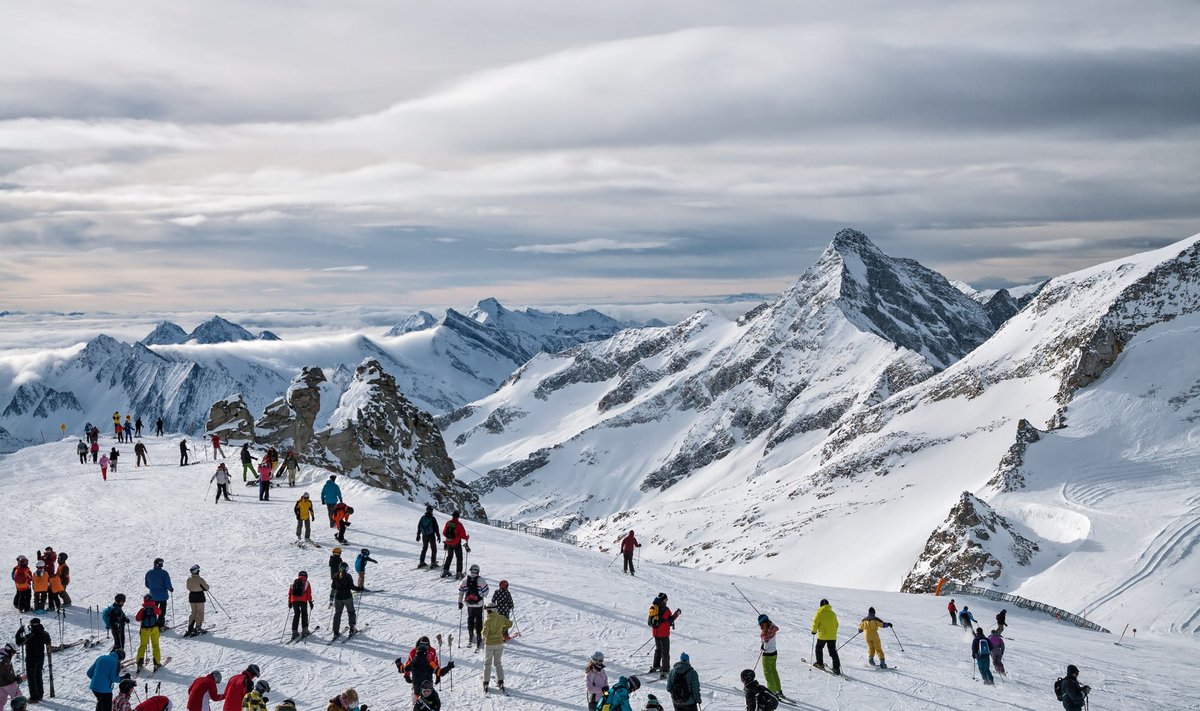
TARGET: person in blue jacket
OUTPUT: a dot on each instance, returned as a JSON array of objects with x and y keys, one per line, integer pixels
[
  {"x": 105, "y": 672},
  {"x": 158, "y": 582},
  {"x": 331, "y": 495},
  {"x": 618, "y": 695}
]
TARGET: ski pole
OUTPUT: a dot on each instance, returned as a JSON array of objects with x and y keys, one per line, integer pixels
[
  {"x": 171, "y": 597},
  {"x": 614, "y": 560},
  {"x": 450, "y": 646},
  {"x": 735, "y": 587},
  {"x": 217, "y": 604},
  {"x": 1118, "y": 642},
  {"x": 756, "y": 661},
  {"x": 849, "y": 640},
  {"x": 640, "y": 648},
  {"x": 460, "y": 628},
  {"x": 893, "y": 629},
  {"x": 50, "y": 665},
  {"x": 287, "y": 618}
]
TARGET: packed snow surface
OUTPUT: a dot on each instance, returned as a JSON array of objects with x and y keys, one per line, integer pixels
[{"x": 569, "y": 603}]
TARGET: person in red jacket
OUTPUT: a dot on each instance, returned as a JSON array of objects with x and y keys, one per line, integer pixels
[
  {"x": 662, "y": 621},
  {"x": 627, "y": 546},
  {"x": 154, "y": 703},
  {"x": 238, "y": 687},
  {"x": 202, "y": 689},
  {"x": 953, "y": 613},
  {"x": 300, "y": 600},
  {"x": 421, "y": 666},
  {"x": 23, "y": 578},
  {"x": 454, "y": 538}
]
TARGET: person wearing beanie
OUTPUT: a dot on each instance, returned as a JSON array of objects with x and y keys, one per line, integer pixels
[
  {"x": 238, "y": 687},
  {"x": 683, "y": 684},
  {"x": 618, "y": 695},
  {"x": 204, "y": 689},
  {"x": 429, "y": 537},
  {"x": 758, "y": 697},
  {"x": 1074, "y": 694},
  {"x": 767, "y": 631},
  {"x": 825, "y": 627},
  {"x": 596, "y": 679},
  {"x": 652, "y": 703},
  {"x": 870, "y": 627},
  {"x": 123, "y": 701},
  {"x": 427, "y": 698},
  {"x": 503, "y": 601},
  {"x": 37, "y": 645}
]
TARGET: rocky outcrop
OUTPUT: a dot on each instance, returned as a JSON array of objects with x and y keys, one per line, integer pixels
[
  {"x": 972, "y": 546},
  {"x": 1010, "y": 474},
  {"x": 231, "y": 419},
  {"x": 289, "y": 422}
]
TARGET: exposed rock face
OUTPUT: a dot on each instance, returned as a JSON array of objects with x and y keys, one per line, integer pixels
[
  {"x": 1009, "y": 475},
  {"x": 289, "y": 422},
  {"x": 418, "y": 321},
  {"x": 1001, "y": 307},
  {"x": 968, "y": 547},
  {"x": 219, "y": 330},
  {"x": 231, "y": 419}
]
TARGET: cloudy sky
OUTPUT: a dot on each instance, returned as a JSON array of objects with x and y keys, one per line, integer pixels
[{"x": 272, "y": 154}]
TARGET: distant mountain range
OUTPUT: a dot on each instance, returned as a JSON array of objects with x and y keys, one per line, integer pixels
[{"x": 214, "y": 330}]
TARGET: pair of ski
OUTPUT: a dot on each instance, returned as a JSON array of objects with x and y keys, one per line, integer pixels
[
  {"x": 197, "y": 633},
  {"x": 85, "y": 643},
  {"x": 342, "y": 640},
  {"x": 138, "y": 670},
  {"x": 303, "y": 637},
  {"x": 301, "y": 544},
  {"x": 814, "y": 667}
]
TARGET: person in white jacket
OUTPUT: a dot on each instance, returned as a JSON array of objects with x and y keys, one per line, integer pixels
[{"x": 222, "y": 478}]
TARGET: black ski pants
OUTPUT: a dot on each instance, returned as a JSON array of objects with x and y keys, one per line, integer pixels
[
  {"x": 141, "y": 459},
  {"x": 83, "y": 457},
  {"x": 264, "y": 490},
  {"x": 183, "y": 458},
  {"x": 300, "y": 616},
  {"x": 103, "y": 701},
  {"x": 95, "y": 456},
  {"x": 23, "y": 600},
  {"x": 953, "y": 617},
  {"x": 662, "y": 654},
  {"x": 118, "y": 637},
  {"x": 162, "y": 618},
  {"x": 833, "y": 655},
  {"x": 348, "y": 605},
  {"x": 454, "y": 553},
  {"x": 628, "y": 562},
  {"x": 475, "y": 625},
  {"x": 429, "y": 544},
  {"x": 33, "y": 668},
  {"x": 222, "y": 490}
]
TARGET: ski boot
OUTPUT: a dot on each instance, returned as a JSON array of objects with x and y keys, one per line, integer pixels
[
  {"x": 157, "y": 666},
  {"x": 353, "y": 630},
  {"x": 140, "y": 666},
  {"x": 662, "y": 675},
  {"x": 836, "y": 671},
  {"x": 421, "y": 565},
  {"x": 295, "y": 636},
  {"x": 883, "y": 664},
  {"x": 485, "y": 687},
  {"x": 500, "y": 685},
  {"x": 871, "y": 661},
  {"x": 819, "y": 665}
]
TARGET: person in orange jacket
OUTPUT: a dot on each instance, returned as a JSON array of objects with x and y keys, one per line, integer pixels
[
  {"x": 41, "y": 587},
  {"x": 23, "y": 578},
  {"x": 341, "y": 519}
]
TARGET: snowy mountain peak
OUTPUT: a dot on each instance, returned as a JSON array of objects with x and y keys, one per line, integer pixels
[
  {"x": 489, "y": 309},
  {"x": 219, "y": 330},
  {"x": 419, "y": 321},
  {"x": 165, "y": 334}
]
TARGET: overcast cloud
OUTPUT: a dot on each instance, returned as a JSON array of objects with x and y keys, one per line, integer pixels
[{"x": 283, "y": 154}]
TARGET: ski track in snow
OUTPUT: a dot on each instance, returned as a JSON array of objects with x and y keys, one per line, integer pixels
[{"x": 569, "y": 602}]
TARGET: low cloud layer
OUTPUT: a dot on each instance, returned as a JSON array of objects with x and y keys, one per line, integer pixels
[{"x": 533, "y": 149}]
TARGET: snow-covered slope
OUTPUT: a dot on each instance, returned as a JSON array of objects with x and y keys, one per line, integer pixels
[{"x": 568, "y": 604}]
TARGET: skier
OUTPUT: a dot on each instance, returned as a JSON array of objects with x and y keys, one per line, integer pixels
[
  {"x": 123, "y": 701},
  {"x": 996, "y": 643},
  {"x": 150, "y": 617},
  {"x": 870, "y": 626},
  {"x": 360, "y": 565},
  {"x": 683, "y": 684},
  {"x": 95, "y": 450},
  {"x": 495, "y": 632},
  {"x": 1074, "y": 694},
  {"x": 120, "y": 431},
  {"x": 257, "y": 699},
  {"x": 158, "y": 582},
  {"x": 216, "y": 445},
  {"x": 183, "y": 453},
  {"x": 64, "y": 578},
  {"x": 203, "y": 689},
  {"x": 627, "y": 546},
  {"x": 137, "y": 426},
  {"x": 618, "y": 695},
  {"x": 473, "y": 591},
  {"x": 346, "y": 701},
  {"x": 343, "y": 599},
  {"x": 10, "y": 681},
  {"x": 37, "y": 645},
  {"x": 247, "y": 461},
  {"x": 116, "y": 620},
  {"x": 221, "y": 476},
  {"x": 196, "y": 587},
  {"x": 428, "y": 536},
  {"x": 264, "y": 480},
  {"x": 1001, "y": 621},
  {"x": 105, "y": 672},
  {"x": 758, "y": 697},
  {"x": 304, "y": 516},
  {"x": 292, "y": 464},
  {"x": 113, "y": 456},
  {"x": 158, "y": 427},
  {"x": 966, "y": 618},
  {"x": 428, "y": 699},
  {"x": 503, "y": 601},
  {"x": 767, "y": 631},
  {"x": 237, "y": 688},
  {"x": 41, "y": 587},
  {"x": 421, "y": 667},
  {"x": 331, "y": 495},
  {"x": 341, "y": 519},
  {"x": 596, "y": 680},
  {"x": 300, "y": 600},
  {"x": 82, "y": 450},
  {"x": 104, "y": 467},
  {"x": 953, "y": 613},
  {"x": 661, "y": 621},
  {"x": 981, "y": 652},
  {"x": 128, "y": 427},
  {"x": 139, "y": 450},
  {"x": 335, "y": 564},
  {"x": 825, "y": 627},
  {"x": 454, "y": 537}
]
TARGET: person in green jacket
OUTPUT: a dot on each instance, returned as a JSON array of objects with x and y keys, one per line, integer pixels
[
  {"x": 825, "y": 627},
  {"x": 494, "y": 628}
]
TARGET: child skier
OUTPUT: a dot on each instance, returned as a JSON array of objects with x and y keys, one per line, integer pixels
[
  {"x": 473, "y": 591},
  {"x": 870, "y": 626},
  {"x": 360, "y": 565}
]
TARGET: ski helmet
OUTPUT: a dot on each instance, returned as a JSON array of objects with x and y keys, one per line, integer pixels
[
  {"x": 824, "y": 602},
  {"x": 304, "y": 495},
  {"x": 344, "y": 566},
  {"x": 597, "y": 656},
  {"x": 747, "y": 676},
  {"x": 303, "y": 574},
  {"x": 503, "y": 584},
  {"x": 127, "y": 686},
  {"x": 22, "y": 559},
  {"x": 253, "y": 669},
  {"x": 474, "y": 569},
  {"x": 261, "y": 686},
  {"x": 195, "y": 569},
  {"x": 216, "y": 675},
  {"x": 158, "y": 562},
  {"x": 41, "y": 564},
  {"x": 634, "y": 683},
  {"x": 763, "y": 619},
  {"x": 366, "y": 551},
  {"x": 19, "y": 703},
  {"x": 423, "y": 642}
]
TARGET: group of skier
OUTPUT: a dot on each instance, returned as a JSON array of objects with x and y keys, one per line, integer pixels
[{"x": 44, "y": 586}]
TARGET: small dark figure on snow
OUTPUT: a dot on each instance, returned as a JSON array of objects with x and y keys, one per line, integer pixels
[
  {"x": 1001, "y": 621},
  {"x": 158, "y": 427},
  {"x": 428, "y": 536},
  {"x": 183, "y": 453},
  {"x": 139, "y": 451},
  {"x": 627, "y": 545}
]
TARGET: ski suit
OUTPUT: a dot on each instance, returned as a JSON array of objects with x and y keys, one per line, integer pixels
[
  {"x": 236, "y": 690},
  {"x": 82, "y": 450},
  {"x": 691, "y": 680},
  {"x": 661, "y": 624},
  {"x": 421, "y": 666},
  {"x": 473, "y": 591},
  {"x": 597, "y": 681},
  {"x": 304, "y": 517},
  {"x": 254, "y": 701},
  {"x": 953, "y": 612},
  {"x": 618, "y": 696},
  {"x": 343, "y": 599},
  {"x": 139, "y": 451},
  {"x": 104, "y": 467},
  {"x": 870, "y": 627},
  {"x": 196, "y": 587},
  {"x": 292, "y": 464},
  {"x": 770, "y": 656},
  {"x": 627, "y": 546},
  {"x": 981, "y": 652},
  {"x": 300, "y": 603},
  {"x": 996, "y": 642},
  {"x": 454, "y": 537},
  {"x": 247, "y": 462},
  {"x": 758, "y": 697},
  {"x": 216, "y": 445},
  {"x": 95, "y": 450},
  {"x": 150, "y": 616},
  {"x": 825, "y": 627},
  {"x": 117, "y": 622},
  {"x": 202, "y": 690},
  {"x": 360, "y": 567},
  {"x": 36, "y": 642},
  {"x": 503, "y": 601},
  {"x": 113, "y": 456},
  {"x": 427, "y": 533},
  {"x": 966, "y": 619},
  {"x": 341, "y": 521}
]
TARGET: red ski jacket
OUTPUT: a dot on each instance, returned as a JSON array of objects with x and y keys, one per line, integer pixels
[
  {"x": 201, "y": 687},
  {"x": 454, "y": 533}
]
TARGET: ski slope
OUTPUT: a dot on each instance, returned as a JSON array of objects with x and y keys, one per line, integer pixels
[{"x": 570, "y": 602}]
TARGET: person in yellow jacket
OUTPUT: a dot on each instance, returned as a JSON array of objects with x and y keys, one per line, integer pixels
[
  {"x": 256, "y": 699},
  {"x": 304, "y": 517},
  {"x": 825, "y": 627},
  {"x": 494, "y": 629},
  {"x": 870, "y": 627}
]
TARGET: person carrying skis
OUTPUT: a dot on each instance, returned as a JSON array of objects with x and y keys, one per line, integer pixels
[
  {"x": 221, "y": 476},
  {"x": 247, "y": 461},
  {"x": 264, "y": 480},
  {"x": 870, "y": 627},
  {"x": 473, "y": 591},
  {"x": 216, "y": 445},
  {"x": 256, "y": 699},
  {"x": 627, "y": 545},
  {"x": 104, "y": 467},
  {"x": 292, "y": 464},
  {"x": 683, "y": 684},
  {"x": 981, "y": 652},
  {"x": 343, "y": 599},
  {"x": 953, "y": 613},
  {"x": 149, "y": 616},
  {"x": 37, "y": 645},
  {"x": 158, "y": 427},
  {"x": 238, "y": 686},
  {"x": 196, "y": 587},
  {"x": 360, "y": 565},
  {"x": 966, "y": 618},
  {"x": 202, "y": 690},
  {"x": 116, "y": 620},
  {"x": 158, "y": 582},
  {"x": 300, "y": 600},
  {"x": 618, "y": 695},
  {"x": 996, "y": 643},
  {"x": 139, "y": 451},
  {"x": 421, "y": 666},
  {"x": 82, "y": 450},
  {"x": 661, "y": 621},
  {"x": 428, "y": 536},
  {"x": 825, "y": 627},
  {"x": 1001, "y": 621},
  {"x": 10, "y": 681},
  {"x": 503, "y": 601},
  {"x": 1074, "y": 694},
  {"x": 105, "y": 672},
  {"x": 767, "y": 632},
  {"x": 331, "y": 496},
  {"x": 341, "y": 519},
  {"x": 758, "y": 697},
  {"x": 113, "y": 456},
  {"x": 123, "y": 701},
  {"x": 495, "y": 633},
  {"x": 596, "y": 680},
  {"x": 427, "y": 698},
  {"x": 454, "y": 537},
  {"x": 304, "y": 516}
]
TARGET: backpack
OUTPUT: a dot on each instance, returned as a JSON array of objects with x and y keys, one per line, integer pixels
[
  {"x": 1058, "y": 689},
  {"x": 298, "y": 587},
  {"x": 766, "y": 701},
  {"x": 679, "y": 687},
  {"x": 420, "y": 662},
  {"x": 149, "y": 618},
  {"x": 104, "y": 616},
  {"x": 653, "y": 616},
  {"x": 984, "y": 648},
  {"x": 472, "y": 589}
]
